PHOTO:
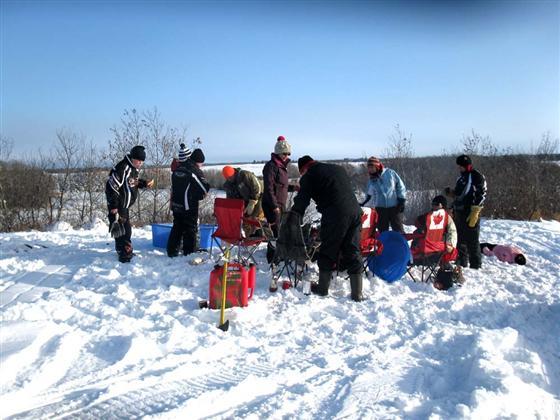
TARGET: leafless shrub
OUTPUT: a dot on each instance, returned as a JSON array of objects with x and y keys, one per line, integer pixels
[
  {"x": 214, "y": 177},
  {"x": 6, "y": 148},
  {"x": 25, "y": 193},
  {"x": 161, "y": 141}
]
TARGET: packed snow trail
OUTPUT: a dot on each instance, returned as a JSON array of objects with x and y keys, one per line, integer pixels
[{"x": 84, "y": 336}]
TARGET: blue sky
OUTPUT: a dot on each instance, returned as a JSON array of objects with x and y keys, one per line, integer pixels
[{"x": 332, "y": 77}]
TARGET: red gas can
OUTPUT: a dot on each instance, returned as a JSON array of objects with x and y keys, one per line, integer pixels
[{"x": 239, "y": 281}]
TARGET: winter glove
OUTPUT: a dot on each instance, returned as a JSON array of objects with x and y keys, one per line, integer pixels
[
  {"x": 449, "y": 192},
  {"x": 250, "y": 207},
  {"x": 400, "y": 204},
  {"x": 117, "y": 228},
  {"x": 473, "y": 216}
]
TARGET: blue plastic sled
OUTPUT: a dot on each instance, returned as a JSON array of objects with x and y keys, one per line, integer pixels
[{"x": 392, "y": 263}]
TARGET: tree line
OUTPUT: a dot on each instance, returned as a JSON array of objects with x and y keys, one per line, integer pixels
[{"x": 66, "y": 184}]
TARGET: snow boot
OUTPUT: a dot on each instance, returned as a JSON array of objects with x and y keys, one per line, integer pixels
[
  {"x": 356, "y": 287},
  {"x": 322, "y": 288},
  {"x": 273, "y": 286}
]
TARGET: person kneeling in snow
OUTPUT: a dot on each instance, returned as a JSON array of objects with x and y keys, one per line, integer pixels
[{"x": 505, "y": 253}]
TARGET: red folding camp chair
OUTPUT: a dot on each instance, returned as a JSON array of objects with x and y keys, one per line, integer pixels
[
  {"x": 230, "y": 220},
  {"x": 428, "y": 246},
  {"x": 369, "y": 244}
]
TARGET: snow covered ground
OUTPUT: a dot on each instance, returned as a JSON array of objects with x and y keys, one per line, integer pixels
[{"x": 87, "y": 337}]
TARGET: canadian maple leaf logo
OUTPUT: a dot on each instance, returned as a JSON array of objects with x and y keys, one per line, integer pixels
[{"x": 438, "y": 219}]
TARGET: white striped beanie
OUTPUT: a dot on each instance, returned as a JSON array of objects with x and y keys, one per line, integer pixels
[{"x": 184, "y": 153}]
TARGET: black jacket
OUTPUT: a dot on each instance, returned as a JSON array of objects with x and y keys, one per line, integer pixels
[
  {"x": 188, "y": 187},
  {"x": 121, "y": 188},
  {"x": 470, "y": 190},
  {"x": 330, "y": 187}
]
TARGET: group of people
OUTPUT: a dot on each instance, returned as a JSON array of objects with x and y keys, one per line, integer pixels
[{"x": 328, "y": 185}]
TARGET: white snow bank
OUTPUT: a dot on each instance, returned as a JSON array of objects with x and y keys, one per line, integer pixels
[{"x": 86, "y": 336}]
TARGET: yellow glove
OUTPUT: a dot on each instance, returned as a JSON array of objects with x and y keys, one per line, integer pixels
[{"x": 473, "y": 216}]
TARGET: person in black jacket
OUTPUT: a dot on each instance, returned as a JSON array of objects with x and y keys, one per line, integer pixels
[
  {"x": 469, "y": 195},
  {"x": 188, "y": 187},
  {"x": 121, "y": 190},
  {"x": 331, "y": 189}
]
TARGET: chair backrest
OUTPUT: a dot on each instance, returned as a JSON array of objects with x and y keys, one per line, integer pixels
[
  {"x": 434, "y": 237},
  {"x": 229, "y": 216},
  {"x": 369, "y": 223}
]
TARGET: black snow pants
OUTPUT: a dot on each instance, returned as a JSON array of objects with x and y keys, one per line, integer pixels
[
  {"x": 185, "y": 228},
  {"x": 340, "y": 238},
  {"x": 467, "y": 241},
  {"x": 389, "y": 216},
  {"x": 123, "y": 245}
]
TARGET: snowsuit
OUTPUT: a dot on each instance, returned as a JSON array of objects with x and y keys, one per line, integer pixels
[
  {"x": 188, "y": 187},
  {"x": 470, "y": 190},
  {"x": 504, "y": 253},
  {"x": 121, "y": 191},
  {"x": 245, "y": 185},
  {"x": 384, "y": 193},
  {"x": 331, "y": 189}
]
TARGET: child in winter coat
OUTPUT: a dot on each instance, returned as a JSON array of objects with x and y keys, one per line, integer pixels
[{"x": 505, "y": 253}]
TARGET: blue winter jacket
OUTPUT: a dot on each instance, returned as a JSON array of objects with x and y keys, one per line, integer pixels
[{"x": 385, "y": 190}]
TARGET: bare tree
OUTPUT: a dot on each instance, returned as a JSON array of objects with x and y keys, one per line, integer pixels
[
  {"x": 548, "y": 146},
  {"x": 90, "y": 182},
  {"x": 400, "y": 144},
  {"x": 6, "y": 148},
  {"x": 147, "y": 128},
  {"x": 473, "y": 143},
  {"x": 66, "y": 154}
]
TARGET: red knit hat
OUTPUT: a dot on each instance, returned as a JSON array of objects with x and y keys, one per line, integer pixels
[{"x": 375, "y": 162}]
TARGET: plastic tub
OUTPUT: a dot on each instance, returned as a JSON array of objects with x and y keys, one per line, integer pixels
[
  {"x": 160, "y": 234},
  {"x": 206, "y": 232}
]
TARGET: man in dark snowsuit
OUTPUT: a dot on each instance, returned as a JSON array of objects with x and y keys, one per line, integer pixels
[
  {"x": 188, "y": 187},
  {"x": 469, "y": 195},
  {"x": 121, "y": 190},
  {"x": 331, "y": 189}
]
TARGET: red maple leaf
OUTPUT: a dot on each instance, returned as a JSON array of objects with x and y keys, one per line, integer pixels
[{"x": 438, "y": 218}]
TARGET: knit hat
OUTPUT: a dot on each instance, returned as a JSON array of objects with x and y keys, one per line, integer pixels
[
  {"x": 440, "y": 199},
  {"x": 138, "y": 153},
  {"x": 184, "y": 153},
  {"x": 303, "y": 162},
  {"x": 520, "y": 259},
  {"x": 197, "y": 156},
  {"x": 464, "y": 161},
  {"x": 282, "y": 146},
  {"x": 375, "y": 162},
  {"x": 228, "y": 172}
]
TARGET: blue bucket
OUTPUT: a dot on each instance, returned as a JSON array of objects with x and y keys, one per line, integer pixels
[
  {"x": 160, "y": 234},
  {"x": 206, "y": 232}
]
